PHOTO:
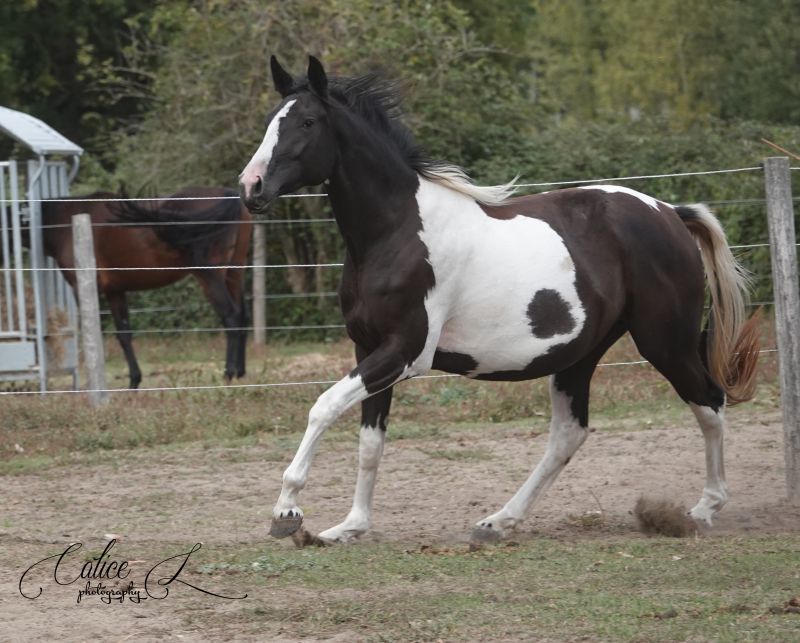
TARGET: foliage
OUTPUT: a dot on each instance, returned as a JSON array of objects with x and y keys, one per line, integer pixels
[
  {"x": 212, "y": 90},
  {"x": 683, "y": 60},
  {"x": 56, "y": 56}
]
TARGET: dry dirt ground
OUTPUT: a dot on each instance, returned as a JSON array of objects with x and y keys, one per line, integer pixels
[{"x": 429, "y": 491}]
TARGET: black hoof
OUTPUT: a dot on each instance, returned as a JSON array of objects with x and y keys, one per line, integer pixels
[
  {"x": 484, "y": 535},
  {"x": 283, "y": 527}
]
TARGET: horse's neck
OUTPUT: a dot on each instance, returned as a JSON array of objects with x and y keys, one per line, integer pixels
[{"x": 372, "y": 193}]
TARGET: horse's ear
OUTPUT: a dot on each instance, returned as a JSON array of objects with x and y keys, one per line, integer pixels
[
  {"x": 317, "y": 77},
  {"x": 282, "y": 79}
]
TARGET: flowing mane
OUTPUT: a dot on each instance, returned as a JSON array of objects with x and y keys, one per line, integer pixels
[{"x": 377, "y": 101}]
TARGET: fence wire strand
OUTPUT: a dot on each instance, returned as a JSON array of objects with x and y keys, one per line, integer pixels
[
  {"x": 264, "y": 385},
  {"x": 744, "y": 201}
]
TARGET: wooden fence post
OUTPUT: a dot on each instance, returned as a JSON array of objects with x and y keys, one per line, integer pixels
[
  {"x": 91, "y": 335},
  {"x": 783, "y": 251},
  {"x": 259, "y": 284}
]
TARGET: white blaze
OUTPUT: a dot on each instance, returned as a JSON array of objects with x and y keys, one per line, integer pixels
[{"x": 257, "y": 167}]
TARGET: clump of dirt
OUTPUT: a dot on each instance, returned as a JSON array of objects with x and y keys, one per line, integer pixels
[
  {"x": 302, "y": 538},
  {"x": 662, "y": 517}
]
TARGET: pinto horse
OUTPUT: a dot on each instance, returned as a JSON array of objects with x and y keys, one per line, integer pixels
[
  {"x": 213, "y": 235},
  {"x": 441, "y": 273}
]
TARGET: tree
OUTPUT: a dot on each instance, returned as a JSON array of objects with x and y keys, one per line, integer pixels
[
  {"x": 53, "y": 51},
  {"x": 686, "y": 61},
  {"x": 211, "y": 92}
]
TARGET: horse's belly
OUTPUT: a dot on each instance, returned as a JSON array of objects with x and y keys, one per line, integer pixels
[
  {"x": 507, "y": 340},
  {"x": 506, "y": 298}
]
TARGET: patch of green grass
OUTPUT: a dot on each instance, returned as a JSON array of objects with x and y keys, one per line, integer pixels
[
  {"x": 722, "y": 589},
  {"x": 26, "y": 464}
]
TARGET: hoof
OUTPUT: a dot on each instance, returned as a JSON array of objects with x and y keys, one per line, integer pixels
[
  {"x": 283, "y": 527},
  {"x": 484, "y": 535}
]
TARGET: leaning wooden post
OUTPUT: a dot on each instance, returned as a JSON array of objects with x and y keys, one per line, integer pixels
[
  {"x": 783, "y": 250},
  {"x": 91, "y": 335},
  {"x": 259, "y": 284}
]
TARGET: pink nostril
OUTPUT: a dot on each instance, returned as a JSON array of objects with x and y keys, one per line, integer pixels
[{"x": 250, "y": 184}]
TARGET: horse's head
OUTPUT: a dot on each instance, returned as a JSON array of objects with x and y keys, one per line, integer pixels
[{"x": 298, "y": 147}]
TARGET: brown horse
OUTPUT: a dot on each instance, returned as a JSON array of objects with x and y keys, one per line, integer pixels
[{"x": 213, "y": 235}]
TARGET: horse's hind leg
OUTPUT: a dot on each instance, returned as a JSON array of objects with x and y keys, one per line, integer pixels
[
  {"x": 569, "y": 423},
  {"x": 216, "y": 290},
  {"x": 234, "y": 280},
  {"x": 118, "y": 304},
  {"x": 676, "y": 356},
  {"x": 241, "y": 354},
  {"x": 715, "y": 492}
]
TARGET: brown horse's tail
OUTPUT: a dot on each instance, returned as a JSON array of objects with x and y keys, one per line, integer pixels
[
  {"x": 733, "y": 341},
  {"x": 189, "y": 224}
]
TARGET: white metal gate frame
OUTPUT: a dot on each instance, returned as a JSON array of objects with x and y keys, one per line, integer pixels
[{"x": 24, "y": 347}]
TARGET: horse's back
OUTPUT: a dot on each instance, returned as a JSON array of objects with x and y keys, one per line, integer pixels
[
  {"x": 539, "y": 280},
  {"x": 612, "y": 229}
]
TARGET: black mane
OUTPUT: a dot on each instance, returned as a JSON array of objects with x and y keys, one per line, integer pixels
[{"x": 378, "y": 101}]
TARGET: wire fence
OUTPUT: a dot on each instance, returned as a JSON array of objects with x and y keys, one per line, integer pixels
[
  {"x": 325, "y": 294},
  {"x": 267, "y": 385},
  {"x": 101, "y": 224}
]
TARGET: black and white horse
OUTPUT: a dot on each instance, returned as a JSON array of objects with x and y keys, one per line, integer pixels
[{"x": 441, "y": 273}]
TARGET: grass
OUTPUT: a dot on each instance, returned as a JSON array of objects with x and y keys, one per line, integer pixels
[
  {"x": 656, "y": 589},
  {"x": 620, "y": 587}
]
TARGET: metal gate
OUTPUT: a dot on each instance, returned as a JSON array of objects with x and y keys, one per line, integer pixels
[{"x": 38, "y": 313}]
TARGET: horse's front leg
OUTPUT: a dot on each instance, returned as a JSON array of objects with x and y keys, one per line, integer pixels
[
  {"x": 377, "y": 372},
  {"x": 374, "y": 419}
]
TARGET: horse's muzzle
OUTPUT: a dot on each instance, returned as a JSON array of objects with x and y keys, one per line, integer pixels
[{"x": 255, "y": 199}]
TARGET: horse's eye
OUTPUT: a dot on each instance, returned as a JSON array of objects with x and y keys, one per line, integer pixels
[{"x": 308, "y": 122}]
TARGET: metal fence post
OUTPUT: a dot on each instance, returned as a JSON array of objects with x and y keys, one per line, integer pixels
[
  {"x": 259, "y": 284},
  {"x": 91, "y": 335},
  {"x": 783, "y": 251}
]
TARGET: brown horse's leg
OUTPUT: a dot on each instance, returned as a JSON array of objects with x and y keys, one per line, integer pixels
[
  {"x": 244, "y": 322},
  {"x": 234, "y": 280},
  {"x": 119, "y": 310},
  {"x": 216, "y": 291}
]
